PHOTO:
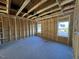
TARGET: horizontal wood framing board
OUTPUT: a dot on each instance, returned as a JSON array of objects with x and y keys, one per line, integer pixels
[
  {"x": 14, "y": 30},
  {"x": 49, "y": 30}
]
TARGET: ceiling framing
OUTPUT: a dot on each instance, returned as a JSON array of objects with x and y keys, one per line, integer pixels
[{"x": 33, "y": 9}]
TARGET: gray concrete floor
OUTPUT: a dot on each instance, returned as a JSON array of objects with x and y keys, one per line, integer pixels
[{"x": 36, "y": 48}]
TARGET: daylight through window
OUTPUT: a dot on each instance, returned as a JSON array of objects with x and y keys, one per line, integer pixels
[{"x": 63, "y": 29}]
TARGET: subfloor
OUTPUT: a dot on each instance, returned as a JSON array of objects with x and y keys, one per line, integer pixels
[{"x": 35, "y": 48}]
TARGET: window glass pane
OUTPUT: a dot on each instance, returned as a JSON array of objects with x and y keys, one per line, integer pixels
[
  {"x": 39, "y": 28},
  {"x": 63, "y": 29}
]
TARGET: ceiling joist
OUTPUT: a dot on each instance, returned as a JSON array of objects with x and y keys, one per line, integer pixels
[
  {"x": 53, "y": 15},
  {"x": 33, "y": 17},
  {"x": 3, "y": 11},
  {"x": 50, "y": 6},
  {"x": 22, "y": 7},
  {"x": 4, "y": 7},
  {"x": 46, "y": 8},
  {"x": 59, "y": 6},
  {"x": 50, "y": 11},
  {"x": 30, "y": 16},
  {"x": 66, "y": 8},
  {"x": 7, "y": 5},
  {"x": 66, "y": 2},
  {"x": 36, "y": 6}
]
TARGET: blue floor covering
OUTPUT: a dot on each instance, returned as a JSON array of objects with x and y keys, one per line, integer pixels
[{"x": 36, "y": 48}]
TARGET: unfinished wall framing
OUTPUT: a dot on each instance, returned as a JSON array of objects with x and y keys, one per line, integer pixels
[
  {"x": 49, "y": 29},
  {"x": 6, "y": 29},
  {"x": 76, "y": 31},
  {"x": 14, "y": 28}
]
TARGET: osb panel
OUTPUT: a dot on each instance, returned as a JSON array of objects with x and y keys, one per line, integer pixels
[
  {"x": 0, "y": 18},
  {"x": 1, "y": 32},
  {"x": 30, "y": 28},
  {"x": 6, "y": 28},
  {"x": 55, "y": 33},
  {"x": 71, "y": 31},
  {"x": 49, "y": 30},
  {"x": 33, "y": 29},
  {"x": 12, "y": 28},
  {"x": 18, "y": 28},
  {"x": 21, "y": 28},
  {"x": 63, "y": 40},
  {"x": 46, "y": 29},
  {"x": 49, "y": 36},
  {"x": 25, "y": 25},
  {"x": 1, "y": 22},
  {"x": 52, "y": 28}
]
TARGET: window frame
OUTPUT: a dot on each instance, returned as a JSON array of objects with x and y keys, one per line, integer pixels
[
  {"x": 64, "y": 19},
  {"x": 37, "y": 27}
]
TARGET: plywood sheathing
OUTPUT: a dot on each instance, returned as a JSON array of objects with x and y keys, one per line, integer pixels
[
  {"x": 6, "y": 29},
  {"x": 15, "y": 28},
  {"x": 18, "y": 28},
  {"x": 49, "y": 30},
  {"x": 12, "y": 27}
]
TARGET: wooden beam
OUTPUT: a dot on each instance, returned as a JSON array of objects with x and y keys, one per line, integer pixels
[
  {"x": 20, "y": 27},
  {"x": 66, "y": 8},
  {"x": 59, "y": 6},
  {"x": 46, "y": 8},
  {"x": 15, "y": 28},
  {"x": 2, "y": 31},
  {"x": 24, "y": 22},
  {"x": 54, "y": 15},
  {"x": 9, "y": 27},
  {"x": 66, "y": 2},
  {"x": 33, "y": 17},
  {"x": 50, "y": 6},
  {"x": 37, "y": 5},
  {"x": 7, "y": 5},
  {"x": 50, "y": 11},
  {"x": 29, "y": 16},
  {"x": 3, "y": 11},
  {"x": 23, "y": 6},
  {"x": 3, "y": 7},
  {"x": 66, "y": 12},
  {"x": 75, "y": 40},
  {"x": 3, "y": 2}
]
